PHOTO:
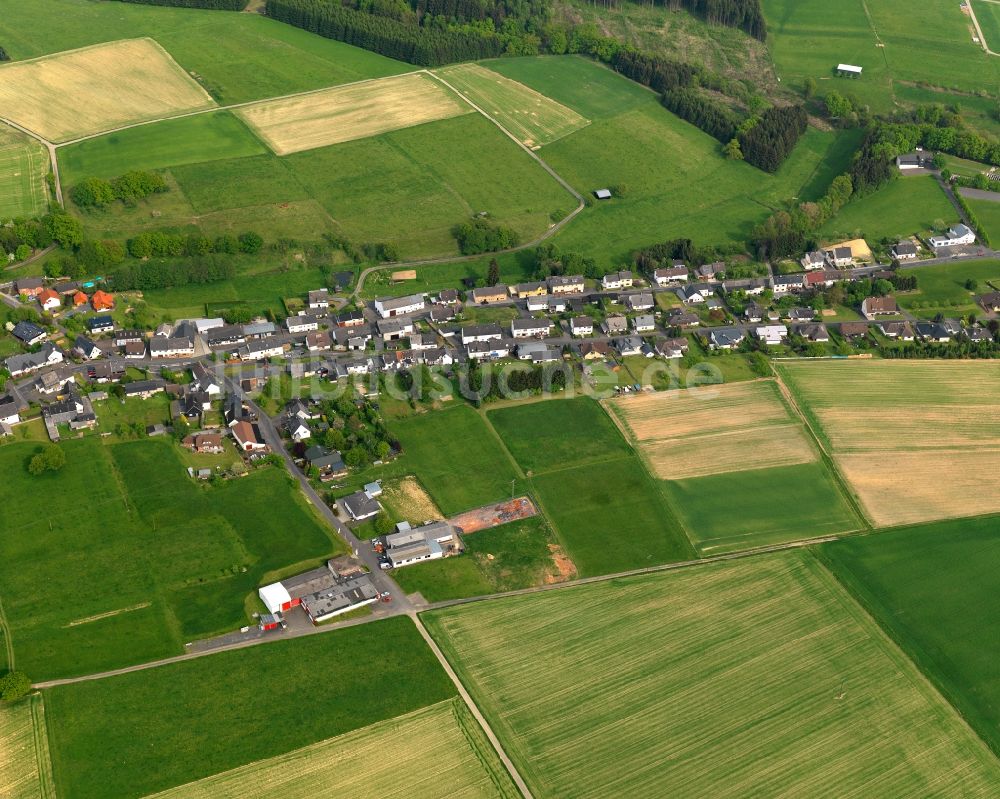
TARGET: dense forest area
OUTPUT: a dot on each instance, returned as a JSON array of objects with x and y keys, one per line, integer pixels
[{"x": 773, "y": 136}]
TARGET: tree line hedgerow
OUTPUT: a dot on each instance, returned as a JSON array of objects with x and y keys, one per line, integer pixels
[
  {"x": 128, "y": 188},
  {"x": 221, "y": 5},
  {"x": 479, "y": 235}
]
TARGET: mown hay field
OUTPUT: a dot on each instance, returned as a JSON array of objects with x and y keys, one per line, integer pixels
[
  {"x": 432, "y": 753},
  {"x": 915, "y": 439},
  {"x": 25, "y": 772},
  {"x": 534, "y": 119},
  {"x": 711, "y": 430},
  {"x": 23, "y": 166},
  {"x": 351, "y": 112},
  {"x": 98, "y": 88},
  {"x": 734, "y": 679}
]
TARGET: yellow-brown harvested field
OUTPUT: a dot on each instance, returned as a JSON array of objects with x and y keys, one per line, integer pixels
[
  {"x": 712, "y": 430},
  {"x": 410, "y": 500},
  {"x": 25, "y": 772},
  {"x": 915, "y": 439},
  {"x": 437, "y": 751},
  {"x": 356, "y": 111},
  {"x": 531, "y": 117},
  {"x": 759, "y": 677},
  {"x": 81, "y": 92}
]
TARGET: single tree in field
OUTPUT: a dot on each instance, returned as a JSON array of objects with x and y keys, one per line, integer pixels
[
  {"x": 732, "y": 150},
  {"x": 14, "y": 685},
  {"x": 493, "y": 274}
]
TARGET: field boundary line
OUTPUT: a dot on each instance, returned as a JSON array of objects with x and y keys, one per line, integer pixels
[
  {"x": 853, "y": 601},
  {"x": 43, "y": 759},
  {"x": 522, "y": 786},
  {"x": 825, "y": 456},
  {"x": 7, "y": 642},
  {"x": 493, "y": 431}
]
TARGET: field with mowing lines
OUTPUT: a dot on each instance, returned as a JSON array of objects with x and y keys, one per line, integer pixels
[
  {"x": 558, "y": 433},
  {"x": 138, "y": 733},
  {"x": 740, "y": 510},
  {"x": 357, "y": 111},
  {"x": 920, "y": 584},
  {"x": 25, "y": 772},
  {"x": 24, "y": 163},
  {"x": 914, "y": 439},
  {"x": 98, "y": 88},
  {"x": 739, "y": 679},
  {"x": 441, "y": 750},
  {"x": 709, "y": 430},
  {"x": 161, "y": 145},
  {"x": 533, "y": 118}
]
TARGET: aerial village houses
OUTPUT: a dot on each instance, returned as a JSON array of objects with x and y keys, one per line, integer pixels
[
  {"x": 530, "y": 328},
  {"x": 102, "y": 301},
  {"x": 567, "y": 284},
  {"x": 322, "y": 593},
  {"x": 489, "y": 294},
  {"x": 904, "y": 250},
  {"x": 878, "y": 306},
  {"x": 416, "y": 544},
  {"x": 48, "y": 300},
  {"x": 581, "y": 326},
  {"x": 28, "y": 333},
  {"x": 956, "y": 236},
  {"x": 399, "y": 306},
  {"x": 670, "y": 274},
  {"x": 617, "y": 280},
  {"x": 482, "y": 333},
  {"x": 839, "y": 256}
]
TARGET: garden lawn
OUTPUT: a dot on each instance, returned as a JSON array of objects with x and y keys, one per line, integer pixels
[
  {"x": 558, "y": 433},
  {"x": 610, "y": 516},
  {"x": 505, "y": 558},
  {"x": 988, "y": 212},
  {"x": 134, "y": 734},
  {"x": 759, "y": 677},
  {"x": 740, "y": 510},
  {"x": 906, "y": 206},
  {"x": 189, "y": 140},
  {"x": 934, "y": 589},
  {"x": 456, "y": 456},
  {"x": 236, "y": 57}
]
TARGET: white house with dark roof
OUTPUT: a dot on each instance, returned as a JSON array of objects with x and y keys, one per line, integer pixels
[
  {"x": 956, "y": 236},
  {"x": 387, "y": 307},
  {"x": 530, "y": 328}
]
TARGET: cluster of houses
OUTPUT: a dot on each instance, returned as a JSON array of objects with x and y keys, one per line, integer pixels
[
  {"x": 70, "y": 295},
  {"x": 322, "y": 593}
]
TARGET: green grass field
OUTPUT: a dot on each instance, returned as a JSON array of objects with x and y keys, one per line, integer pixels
[
  {"x": 189, "y": 140},
  {"x": 236, "y": 57},
  {"x": 558, "y": 434},
  {"x": 989, "y": 20},
  {"x": 505, "y": 558},
  {"x": 164, "y": 560},
  {"x": 941, "y": 288},
  {"x": 445, "y": 735},
  {"x": 756, "y": 678},
  {"x": 147, "y": 731},
  {"x": 739, "y": 510},
  {"x": 906, "y": 206},
  {"x": 611, "y": 517},
  {"x": 933, "y": 588},
  {"x": 24, "y": 163},
  {"x": 988, "y": 212},
  {"x": 456, "y": 456}
]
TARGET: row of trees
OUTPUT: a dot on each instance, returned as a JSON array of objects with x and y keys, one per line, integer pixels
[
  {"x": 660, "y": 74},
  {"x": 161, "y": 274},
  {"x": 702, "y": 112},
  {"x": 221, "y": 5},
  {"x": 128, "y": 188},
  {"x": 161, "y": 245},
  {"x": 550, "y": 377},
  {"x": 480, "y": 235},
  {"x": 550, "y": 261},
  {"x": 747, "y": 15},
  {"x": 981, "y": 232},
  {"x": 769, "y": 141}
]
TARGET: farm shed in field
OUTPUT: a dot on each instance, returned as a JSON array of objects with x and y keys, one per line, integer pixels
[
  {"x": 602, "y": 194},
  {"x": 849, "y": 70}
]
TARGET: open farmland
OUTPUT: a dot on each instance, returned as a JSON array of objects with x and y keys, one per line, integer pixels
[
  {"x": 357, "y": 111},
  {"x": 913, "y": 439},
  {"x": 236, "y": 57},
  {"x": 710, "y": 430},
  {"x": 24, "y": 163},
  {"x": 440, "y": 748},
  {"x": 440, "y": 445},
  {"x": 530, "y": 116},
  {"x": 165, "y": 560},
  {"x": 118, "y": 736},
  {"x": 559, "y": 433},
  {"x": 97, "y": 88},
  {"x": 25, "y": 772},
  {"x": 933, "y": 588},
  {"x": 756, "y": 678}
]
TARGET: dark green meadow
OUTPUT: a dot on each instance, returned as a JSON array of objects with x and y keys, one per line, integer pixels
[
  {"x": 130, "y": 559},
  {"x": 138, "y": 733},
  {"x": 935, "y": 588}
]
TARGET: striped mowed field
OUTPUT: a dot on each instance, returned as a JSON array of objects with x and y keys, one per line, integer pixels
[
  {"x": 759, "y": 677},
  {"x": 25, "y": 771},
  {"x": 917, "y": 440},
  {"x": 23, "y": 166},
  {"x": 99, "y": 88},
  {"x": 531, "y": 117},
  {"x": 714, "y": 429},
  {"x": 436, "y": 752},
  {"x": 355, "y": 111}
]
